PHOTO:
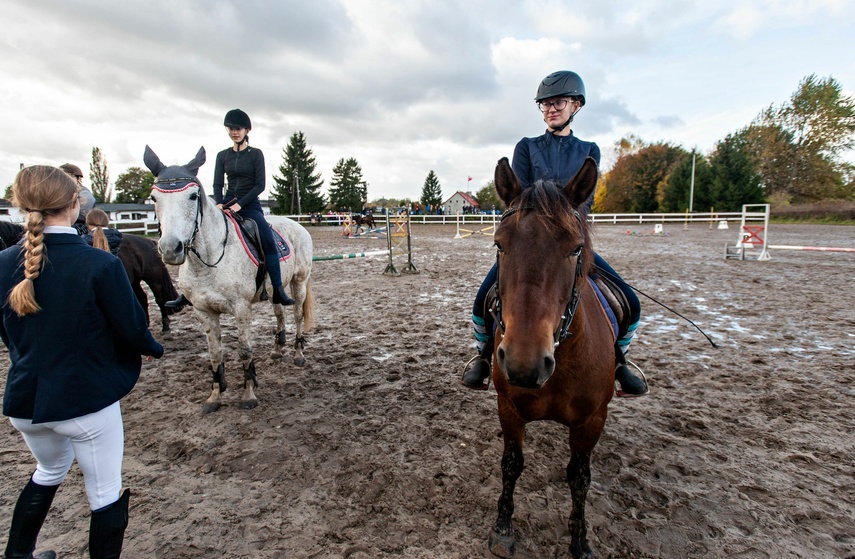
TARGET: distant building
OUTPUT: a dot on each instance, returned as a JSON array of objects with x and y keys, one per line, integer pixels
[{"x": 460, "y": 202}]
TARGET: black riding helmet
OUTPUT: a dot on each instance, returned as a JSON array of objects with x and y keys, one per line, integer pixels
[
  {"x": 236, "y": 118},
  {"x": 561, "y": 84}
]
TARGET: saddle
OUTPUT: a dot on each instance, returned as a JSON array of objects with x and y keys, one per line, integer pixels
[
  {"x": 250, "y": 237},
  {"x": 615, "y": 299}
]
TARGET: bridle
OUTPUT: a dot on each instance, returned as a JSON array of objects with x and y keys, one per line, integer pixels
[
  {"x": 175, "y": 186},
  {"x": 562, "y": 331}
]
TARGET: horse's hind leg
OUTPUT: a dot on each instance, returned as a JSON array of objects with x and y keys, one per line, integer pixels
[
  {"x": 579, "y": 479},
  {"x": 300, "y": 292},
  {"x": 279, "y": 340},
  {"x": 501, "y": 540},
  {"x": 250, "y": 379}
]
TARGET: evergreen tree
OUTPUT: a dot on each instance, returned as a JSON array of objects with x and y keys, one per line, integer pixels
[
  {"x": 348, "y": 190},
  {"x": 99, "y": 177},
  {"x": 735, "y": 181},
  {"x": 133, "y": 186},
  {"x": 431, "y": 191},
  {"x": 678, "y": 191},
  {"x": 297, "y": 158}
]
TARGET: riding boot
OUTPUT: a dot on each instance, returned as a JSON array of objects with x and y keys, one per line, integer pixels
[
  {"x": 107, "y": 528},
  {"x": 27, "y": 519},
  {"x": 178, "y": 303},
  {"x": 280, "y": 297},
  {"x": 631, "y": 384},
  {"x": 479, "y": 369}
]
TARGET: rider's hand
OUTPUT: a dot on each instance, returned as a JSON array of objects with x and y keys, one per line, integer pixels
[{"x": 234, "y": 208}]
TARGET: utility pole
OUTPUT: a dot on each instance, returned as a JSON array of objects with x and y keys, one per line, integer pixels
[
  {"x": 296, "y": 186},
  {"x": 692, "y": 186}
]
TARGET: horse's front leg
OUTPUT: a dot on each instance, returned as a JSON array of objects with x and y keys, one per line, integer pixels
[
  {"x": 250, "y": 378},
  {"x": 579, "y": 479},
  {"x": 211, "y": 325},
  {"x": 501, "y": 540}
]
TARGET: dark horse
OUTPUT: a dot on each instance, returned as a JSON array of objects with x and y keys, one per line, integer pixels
[
  {"x": 367, "y": 220},
  {"x": 142, "y": 263},
  {"x": 554, "y": 357}
]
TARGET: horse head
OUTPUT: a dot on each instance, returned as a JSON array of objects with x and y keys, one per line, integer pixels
[
  {"x": 179, "y": 202},
  {"x": 543, "y": 254}
]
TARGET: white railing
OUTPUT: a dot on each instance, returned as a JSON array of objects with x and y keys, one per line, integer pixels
[{"x": 615, "y": 219}]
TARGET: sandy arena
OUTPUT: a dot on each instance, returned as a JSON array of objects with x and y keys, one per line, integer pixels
[{"x": 373, "y": 449}]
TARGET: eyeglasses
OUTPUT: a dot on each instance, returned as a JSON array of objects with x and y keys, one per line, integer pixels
[
  {"x": 78, "y": 177},
  {"x": 558, "y": 105}
]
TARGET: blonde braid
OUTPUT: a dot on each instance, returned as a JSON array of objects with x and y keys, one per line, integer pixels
[{"x": 22, "y": 298}]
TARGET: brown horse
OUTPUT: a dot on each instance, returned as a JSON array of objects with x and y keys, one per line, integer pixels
[
  {"x": 367, "y": 220},
  {"x": 554, "y": 357}
]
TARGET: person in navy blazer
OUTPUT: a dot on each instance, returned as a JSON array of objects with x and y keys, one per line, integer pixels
[{"x": 75, "y": 333}]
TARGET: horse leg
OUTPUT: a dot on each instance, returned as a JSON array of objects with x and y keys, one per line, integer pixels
[
  {"x": 579, "y": 479},
  {"x": 211, "y": 325},
  {"x": 250, "y": 379},
  {"x": 299, "y": 289},
  {"x": 501, "y": 540},
  {"x": 142, "y": 298},
  {"x": 279, "y": 339}
]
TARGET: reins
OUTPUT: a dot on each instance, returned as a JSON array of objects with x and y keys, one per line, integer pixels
[{"x": 197, "y": 220}]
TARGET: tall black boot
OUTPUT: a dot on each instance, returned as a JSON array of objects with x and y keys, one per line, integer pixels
[
  {"x": 631, "y": 384},
  {"x": 178, "y": 303},
  {"x": 479, "y": 368},
  {"x": 280, "y": 296},
  {"x": 27, "y": 519},
  {"x": 107, "y": 529}
]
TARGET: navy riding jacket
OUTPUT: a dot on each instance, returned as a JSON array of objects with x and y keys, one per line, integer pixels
[
  {"x": 553, "y": 158},
  {"x": 114, "y": 239},
  {"x": 81, "y": 352},
  {"x": 245, "y": 171}
]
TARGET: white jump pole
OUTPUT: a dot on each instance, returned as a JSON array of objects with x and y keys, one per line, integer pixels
[{"x": 818, "y": 249}]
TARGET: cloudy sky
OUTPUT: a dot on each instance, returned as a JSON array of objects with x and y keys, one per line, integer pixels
[{"x": 404, "y": 86}]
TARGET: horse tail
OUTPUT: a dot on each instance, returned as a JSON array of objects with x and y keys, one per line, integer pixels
[
  {"x": 169, "y": 291},
  {"x": 309, "y": 307}
]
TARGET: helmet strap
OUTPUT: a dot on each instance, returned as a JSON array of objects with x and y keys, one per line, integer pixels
[{"x": 566, "y": 124}]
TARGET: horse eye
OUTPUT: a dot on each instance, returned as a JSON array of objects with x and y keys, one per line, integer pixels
[
  {"x": 153, "y": 199},
  {"x": 498, "y": 247},
  {"x": 194, "y": 196},
  {"x": 576, "y": 252}
]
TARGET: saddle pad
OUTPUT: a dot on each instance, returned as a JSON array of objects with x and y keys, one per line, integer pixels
[
  {"x": 606, "y": 307},
  {"x": 283, "y": 248}
]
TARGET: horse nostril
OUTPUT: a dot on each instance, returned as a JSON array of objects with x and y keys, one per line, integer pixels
[
  {"x": 549, "y": 364},
  {"x": 501, "y": 354},
  {"x": 179, "y": 248}
]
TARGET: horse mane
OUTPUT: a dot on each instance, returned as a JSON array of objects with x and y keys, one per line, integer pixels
[{"x": 552, "y": 209}]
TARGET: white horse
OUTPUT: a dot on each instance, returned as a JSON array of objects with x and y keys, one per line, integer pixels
[{"x": 217, "y": 275}]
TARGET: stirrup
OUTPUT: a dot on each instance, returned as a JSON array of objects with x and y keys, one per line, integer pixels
[
  {"x": 621, "y": 394},
  {"x": 466, "y": 368}
]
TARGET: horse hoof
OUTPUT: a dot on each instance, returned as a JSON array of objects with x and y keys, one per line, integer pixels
[
  {"x": 248, "y": 404},
  {"x": 502, "y": 546},
  {"x": 211, "y": 407},
  {"x": 299, "y": 361}
]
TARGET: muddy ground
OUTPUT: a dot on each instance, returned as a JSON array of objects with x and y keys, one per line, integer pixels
[{"x": 373, "y": 449}]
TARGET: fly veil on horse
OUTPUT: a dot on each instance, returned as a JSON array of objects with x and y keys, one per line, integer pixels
[
  {"x": 554, "y": 356},
  {"x": 142, "y": 264},
  {"x": 217, "y": 274}
]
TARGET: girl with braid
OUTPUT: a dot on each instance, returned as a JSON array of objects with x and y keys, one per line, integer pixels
[{"x": 75, "y": 334}]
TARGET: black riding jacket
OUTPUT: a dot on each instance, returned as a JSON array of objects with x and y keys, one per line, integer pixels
[{"x": 245, "y": 171}]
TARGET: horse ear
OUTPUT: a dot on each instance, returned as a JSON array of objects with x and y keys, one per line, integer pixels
[
  {"x": 580, "y": 187},
  {"x": 197, "y": 161},
  {"x": 507, "y": 184},
  {"x": 152, "y": 161}
]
